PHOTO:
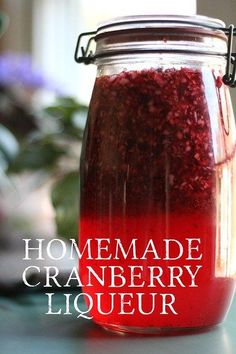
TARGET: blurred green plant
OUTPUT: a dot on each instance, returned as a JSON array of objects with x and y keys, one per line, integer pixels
[
  {"x": 9, "y": 148},
  {"x": 47, "y": 143},
  {"x": 54, "y": 149}
]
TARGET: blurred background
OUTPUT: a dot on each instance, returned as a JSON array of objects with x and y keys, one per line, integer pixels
[{"x": 44, "y": 96}]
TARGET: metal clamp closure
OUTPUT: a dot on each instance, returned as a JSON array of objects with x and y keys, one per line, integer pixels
[
  {"x": 87, "y": 56},
  {"x": 230, "y": 74}
]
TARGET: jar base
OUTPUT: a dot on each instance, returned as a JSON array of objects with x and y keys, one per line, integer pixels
[{"x": 161, "y": 331}]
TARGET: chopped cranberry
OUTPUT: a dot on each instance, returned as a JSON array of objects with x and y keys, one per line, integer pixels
[
  {"x": 219, "y": 82},
  {"x": 147, "y": 127}
]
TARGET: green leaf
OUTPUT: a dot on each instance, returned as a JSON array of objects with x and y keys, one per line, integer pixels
[
  {"x": 64, "y": 110},
  {"x": 70, "y": 102},
  {"x": 35, "y": 156},
  {"x": 55, "y": 111},
  {"x": 8, "y": 144},
  {"x": 75, "y": 133},
  {"x": 65, "y": 200}
]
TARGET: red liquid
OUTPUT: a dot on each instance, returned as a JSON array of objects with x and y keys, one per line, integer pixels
[{"x": 149, "y": 171}]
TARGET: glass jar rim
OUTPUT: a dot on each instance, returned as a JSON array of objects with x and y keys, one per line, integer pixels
[
  {"x": 159, "y": 21},
  {"x": 160, "y": 33},
  {"x": 143, "y": 34}
]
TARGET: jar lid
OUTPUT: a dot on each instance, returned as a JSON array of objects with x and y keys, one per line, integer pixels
[
  {"x": 158, "y": 21},
  {"x": 161, "y": 33}
]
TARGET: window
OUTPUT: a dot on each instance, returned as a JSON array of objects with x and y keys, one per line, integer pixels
[{"x": 56, "y": 25}]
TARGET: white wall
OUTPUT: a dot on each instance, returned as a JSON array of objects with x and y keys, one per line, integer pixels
[{"x": 57, "y": 23}]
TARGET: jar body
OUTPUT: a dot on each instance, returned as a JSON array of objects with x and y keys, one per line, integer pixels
[{"x": 157, "y": 189}]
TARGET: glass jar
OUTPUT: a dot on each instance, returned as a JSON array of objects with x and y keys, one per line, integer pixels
[{"x": 157, "y": 205}]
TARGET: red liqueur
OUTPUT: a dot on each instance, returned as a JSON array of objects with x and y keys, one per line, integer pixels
[{"x": 157, "y": 195}]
